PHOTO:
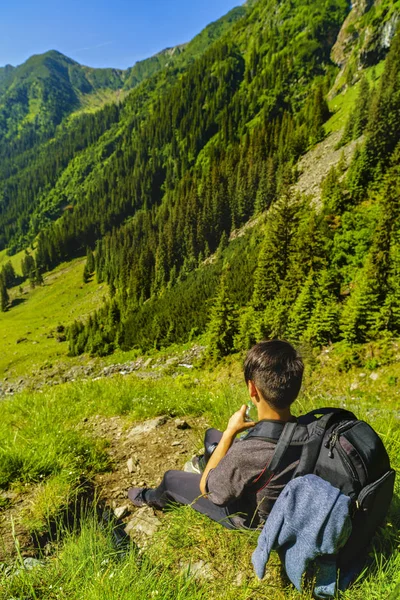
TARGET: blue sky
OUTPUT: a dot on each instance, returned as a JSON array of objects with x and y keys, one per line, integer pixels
[{"x": 99, "y": 33}]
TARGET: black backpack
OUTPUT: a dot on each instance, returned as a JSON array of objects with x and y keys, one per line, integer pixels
[{"x": 333, "y": 444}]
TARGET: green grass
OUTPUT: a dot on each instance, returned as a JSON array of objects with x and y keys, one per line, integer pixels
[
  {"x": 63, "y": 298},
  {"x": 15, "y": 259},
  {"x": 43, "y": 440},
  {"x": 88, "y": 566},
  {"x": 342, "y": 104}
]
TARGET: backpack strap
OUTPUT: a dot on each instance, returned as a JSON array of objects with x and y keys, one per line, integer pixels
[
  {"x": 312, "y": 445},
  {"x": 282, "y": 446}
]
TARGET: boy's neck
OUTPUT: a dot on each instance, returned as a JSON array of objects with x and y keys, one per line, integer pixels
[{"x": 265, "y": 411}]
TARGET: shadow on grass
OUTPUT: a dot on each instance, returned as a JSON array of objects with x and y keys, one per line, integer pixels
[
  {"x": 17, "y": 302},
  {"x": 83, "y": 505}
]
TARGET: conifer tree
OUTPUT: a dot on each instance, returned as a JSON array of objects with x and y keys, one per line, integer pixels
[
  {"x": 4, "y": 297},
  {"x": 362, "y": 307},
  {"x": 90, "y": 261},
  {"x": 323, "y": 325},
  {"x": 86, "y": 274},
  {"x": 300, "y": 313},
  {"x": 222, "y": 326},
  {"x": 274, "y": 257}
]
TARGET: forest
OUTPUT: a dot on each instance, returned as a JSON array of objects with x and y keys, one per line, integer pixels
[{"x": 153, "y": 188}]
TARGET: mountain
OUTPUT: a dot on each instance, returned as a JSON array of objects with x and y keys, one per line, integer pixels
[
  {"x": 41, "y": 92},
  {"x": 208, "y": 142},
  {"x": 36, "y": 96}
]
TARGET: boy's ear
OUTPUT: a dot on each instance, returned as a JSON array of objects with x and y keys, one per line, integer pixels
[{"x": 252, "y": 389}]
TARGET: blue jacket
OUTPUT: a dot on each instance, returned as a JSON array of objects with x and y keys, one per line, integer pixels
[{"x": 310, "y": 519}]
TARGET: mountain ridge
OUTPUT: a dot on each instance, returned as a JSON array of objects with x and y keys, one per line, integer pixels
[{"x": 195, "y": 151}]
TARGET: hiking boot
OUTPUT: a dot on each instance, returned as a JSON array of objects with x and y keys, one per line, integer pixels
[
  {"x": 195, "y": 465},
  {"x": 135, "y": 495}
]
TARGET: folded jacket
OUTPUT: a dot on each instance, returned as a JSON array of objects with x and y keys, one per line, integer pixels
[{"x": 310, "y": 519}]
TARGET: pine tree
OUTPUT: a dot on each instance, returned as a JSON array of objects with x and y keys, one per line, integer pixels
[
  {"x": 90, "y": 261},
  {"x": 300, "y": 313},
  {"x": 362, "y": 307},
  {"x": 38, "y": 277},
  {"x": 86, "y": 274},
  {"x": 323, "y": 325},
  {"x": 4, "y": 297},
  {"x": 222, "y": 326},
  {"x": 274, "y": 257}
]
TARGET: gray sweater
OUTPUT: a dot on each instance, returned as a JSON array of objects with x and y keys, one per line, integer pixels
[{"x": 241, "y": 483}]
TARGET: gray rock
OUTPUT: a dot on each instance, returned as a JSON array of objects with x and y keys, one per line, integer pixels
[
  {"x": 29, "y": 564},
  {"x": 181, "y": 424},
  {"x": 374, "y": 376},
  {"x": 200, "y": 570},
  {"x": 147, "y": 426},
  {"x": 121, "y": 511},
  {"x": 143, "y": 523},
  {"x": 130, "y": 464}
]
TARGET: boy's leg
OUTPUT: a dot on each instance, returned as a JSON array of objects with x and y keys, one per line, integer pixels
[
  {"x": 211, "y": 440},
  {"x": 184, "y": 488}
]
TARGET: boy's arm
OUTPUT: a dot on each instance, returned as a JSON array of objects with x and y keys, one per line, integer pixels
[{"x": 236, "y": 424}]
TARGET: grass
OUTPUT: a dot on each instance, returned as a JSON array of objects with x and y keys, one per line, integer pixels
[
  {"x": 342, "y": 104},
  {"x": 28, "y": 328},
  {"x": 88, "y": 566},
  {"x": 15, "y": 259},
  {"x": 43, "y": 443}
]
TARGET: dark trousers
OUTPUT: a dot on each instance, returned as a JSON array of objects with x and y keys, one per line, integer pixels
[{"x": 184, "y": 488}]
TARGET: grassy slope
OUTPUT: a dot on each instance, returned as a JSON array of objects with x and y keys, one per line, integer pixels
[
  {"x": 342, "y": 104},
  {"x": 63, "y": 298},
  {"x": 44, "y": 440}
]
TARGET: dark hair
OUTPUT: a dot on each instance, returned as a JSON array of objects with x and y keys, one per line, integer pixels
[{"x": 276, "y": 369}]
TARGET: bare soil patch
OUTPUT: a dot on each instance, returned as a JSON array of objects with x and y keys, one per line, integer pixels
[{"x": 140, "y": 453}]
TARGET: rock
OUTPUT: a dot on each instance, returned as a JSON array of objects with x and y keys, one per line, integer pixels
[
  {"x": 177, "y": 443},
  {"x": 147, "y": 363},
  {"x": 181, "y": 424},
  {"x": 362, "y": 375},
  {"x": 131, "y": 464},
  {"x": 121, "y": 511},
  {"x": 28, "y": 564},
  {"x": 147, "y": 426},
  {"x": 200, "y": 570},
  {"x": 354, "y": 386},
  {"x": 374, "y": 376},
  {"x": 143, "y": 523}
]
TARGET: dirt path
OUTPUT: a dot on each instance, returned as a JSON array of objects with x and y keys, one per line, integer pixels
[{"x": 139, "y": 452}]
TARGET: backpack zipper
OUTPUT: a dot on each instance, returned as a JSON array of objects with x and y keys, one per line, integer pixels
[
  {"x": 331, "y": 442},
  {"x": 347, "y": 463}
]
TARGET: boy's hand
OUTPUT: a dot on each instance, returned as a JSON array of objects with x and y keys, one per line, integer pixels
[{"x": 238, "y": 423}]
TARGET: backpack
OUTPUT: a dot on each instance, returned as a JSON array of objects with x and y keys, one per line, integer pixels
[{"x": 333, "y": 444}]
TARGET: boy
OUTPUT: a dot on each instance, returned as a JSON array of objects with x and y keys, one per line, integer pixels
[{"x": 236, "y": 488}]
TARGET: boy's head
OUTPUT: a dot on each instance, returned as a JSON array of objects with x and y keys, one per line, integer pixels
[{"x": 276, "y": 369}]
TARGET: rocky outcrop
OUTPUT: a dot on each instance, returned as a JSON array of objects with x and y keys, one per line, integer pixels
[
  {"x": 358, "y": 45},
  {"x": 348, "y": 33}
]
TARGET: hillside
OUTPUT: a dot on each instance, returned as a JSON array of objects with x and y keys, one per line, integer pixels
[
  {"x": 154, "y": 224},
  {"x": 156, "y": 184}
]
